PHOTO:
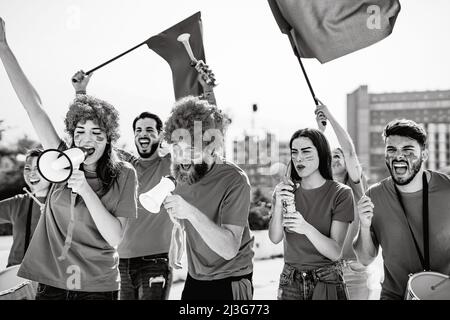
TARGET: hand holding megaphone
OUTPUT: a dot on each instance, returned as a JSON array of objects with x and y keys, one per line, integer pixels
[
  {"x": 153, "y": 199},
  {"x": 57, "y": 166}
]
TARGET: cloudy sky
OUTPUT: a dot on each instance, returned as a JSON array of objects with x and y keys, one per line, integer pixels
[{"x": 252, "y": 60}]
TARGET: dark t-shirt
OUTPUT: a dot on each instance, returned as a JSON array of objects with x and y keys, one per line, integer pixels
[
  {"x": 150, "y": 233},
  {"x": 90, "y": 255},
  {"x": 15, "y": 211},
  {"x": 392, "y": 233},
  {"x": 319, "y": 207},
  {"x": 223, "y": 195}
]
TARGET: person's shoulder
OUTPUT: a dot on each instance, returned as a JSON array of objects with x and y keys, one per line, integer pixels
[
  {"x": 232, "y": 172},
  {"x": 339, "y": 187},
  {"x": 14, "y": 203},
  {"x": 440, "y": 177},
  {"x": 380, "y": 187},
  {"x": 19, "y": 197},
  {"x": 166, "y": 159},
  {"x": 126, "y": 169}
]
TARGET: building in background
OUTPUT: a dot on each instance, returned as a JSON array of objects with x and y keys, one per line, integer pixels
[
  {"x": 263, "y": 158},
  {"x": 368, "y": 114}
]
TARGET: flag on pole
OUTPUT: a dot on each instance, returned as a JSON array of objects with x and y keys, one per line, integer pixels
[
  {"x": 329, "y": 29},
  {"x": 170, "y": 49}
]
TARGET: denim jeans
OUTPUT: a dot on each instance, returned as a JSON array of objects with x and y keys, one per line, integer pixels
[
  {"x": 298, "y": 284},
  {"x": 46, "y": 292},
  {"x": 145, "y": 278},
  {"x": 356, "y": 277}
]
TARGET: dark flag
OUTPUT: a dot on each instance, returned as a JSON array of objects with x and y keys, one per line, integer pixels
[
  {"x": 329, "y": 29},
  {"x": 170, "y": 49}
]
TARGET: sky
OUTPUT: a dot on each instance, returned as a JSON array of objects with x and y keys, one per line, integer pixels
[{"x": 252, "y": 60}]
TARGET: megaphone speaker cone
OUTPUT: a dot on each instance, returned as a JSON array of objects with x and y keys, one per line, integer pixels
[
  {"x": 54, "y": 166},
  {"x": 57, "y": 166}
]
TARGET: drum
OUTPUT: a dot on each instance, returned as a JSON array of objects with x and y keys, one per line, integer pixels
[
  {"x": 428, "y": 285},
  {"x": 13, "y": 287}
]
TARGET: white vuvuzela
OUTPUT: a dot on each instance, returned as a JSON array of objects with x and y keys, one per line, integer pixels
[{"x": 184, "y": 39}]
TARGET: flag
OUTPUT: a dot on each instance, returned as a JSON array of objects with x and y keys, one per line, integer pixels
[
  {"x": 329, "y": 29},
  {"x": 170, "y": 49}
]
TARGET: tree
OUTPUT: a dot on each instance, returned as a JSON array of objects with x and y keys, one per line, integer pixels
[
  {"x": 25, "y": 143},
  {"x": 259, "y": 215}
]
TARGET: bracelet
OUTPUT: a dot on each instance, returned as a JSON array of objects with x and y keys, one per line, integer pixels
[{"x": 81, "y": 92}]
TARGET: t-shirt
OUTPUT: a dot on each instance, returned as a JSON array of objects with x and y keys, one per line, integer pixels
[
  {"x": 150, "y": 233},
  {"x": 392, "y": 232},
  {"x": 319, "y": 207},
  {"x": 15, "y": 211},
  {"x": 91, "y": 263},
  {"x": 347, "y": 251},
  {"x": 223, "y": 195}
]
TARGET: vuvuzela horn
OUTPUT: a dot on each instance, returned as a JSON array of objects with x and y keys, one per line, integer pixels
[
  {"x": 198, "y": 64},
  {"x": 184, "y": 39}
]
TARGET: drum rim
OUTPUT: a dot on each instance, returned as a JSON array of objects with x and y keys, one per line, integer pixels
[
  {"x": 26, "y": 282},
  {"x": 17, "y": 287},
  {"x": 415, "y": 275}
]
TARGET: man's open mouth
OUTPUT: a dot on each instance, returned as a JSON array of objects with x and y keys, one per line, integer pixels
[
  {"x": 144, "y": 142},
  {"x": 400, "y": 167}
]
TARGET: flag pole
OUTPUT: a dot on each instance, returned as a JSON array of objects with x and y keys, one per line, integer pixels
[
  {"x": 116, "y": 57},
  {"x": 294, "y": 47}
]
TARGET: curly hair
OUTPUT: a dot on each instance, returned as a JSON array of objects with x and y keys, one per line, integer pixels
[
  {"x": 190, "y": 109},
  {"x": 85, "y": 108}
]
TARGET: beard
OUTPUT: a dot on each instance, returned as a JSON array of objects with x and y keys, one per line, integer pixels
[
  {"x": 146, "y": 155},
  {"x": 191, "y": 176},
  {"x": 414, "y": 169}
]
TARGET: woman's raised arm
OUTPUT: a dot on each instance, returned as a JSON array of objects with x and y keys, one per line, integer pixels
[{"x": 27, "y": 94}]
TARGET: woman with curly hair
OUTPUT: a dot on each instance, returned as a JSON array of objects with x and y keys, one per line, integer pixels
[
  {"x": 311, "y": 212},
  {"x": 73, "y": 253}
]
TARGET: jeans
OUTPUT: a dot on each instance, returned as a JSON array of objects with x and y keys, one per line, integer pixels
[
  {"x": 356, "y": 278},
  {"x": 145, "y": 278},
  {"x": 298, "y": 284},
  {"x": 46, "y": 292}
]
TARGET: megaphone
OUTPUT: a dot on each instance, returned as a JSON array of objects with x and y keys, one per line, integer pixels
[
  {"x": 152, "y": 199},
  {"x": 57, "y": 166}
]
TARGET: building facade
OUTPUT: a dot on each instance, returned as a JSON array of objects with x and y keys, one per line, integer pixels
[
  {"x": 368, "y": 114},
  {"x": 263, "y": 158}
]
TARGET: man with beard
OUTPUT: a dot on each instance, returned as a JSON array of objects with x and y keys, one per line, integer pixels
[
  {"x": 211, "y": 201},
  {"x": 144, "y": 263},
  {"x": 389, "y": 206},
  {"x": 23, "y": 211}
]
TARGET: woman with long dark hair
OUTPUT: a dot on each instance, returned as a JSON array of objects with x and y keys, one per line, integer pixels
[
  {"x": 311, "y": 212},
  {"x": 73, "y": 253}
]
